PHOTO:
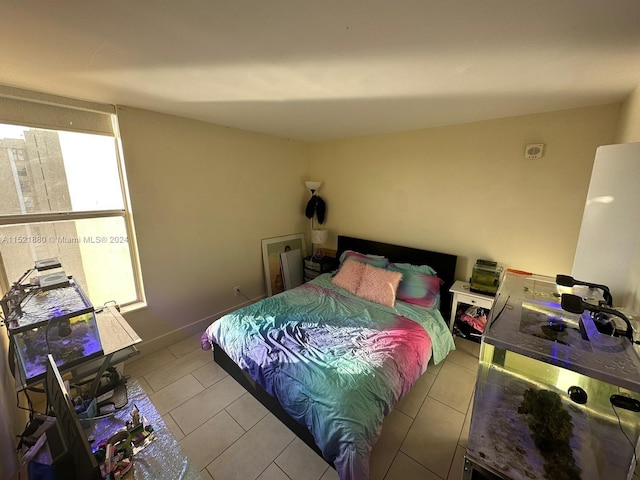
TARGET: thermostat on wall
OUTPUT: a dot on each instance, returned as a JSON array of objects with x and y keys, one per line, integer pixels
[{"x": 534, "y": 150}]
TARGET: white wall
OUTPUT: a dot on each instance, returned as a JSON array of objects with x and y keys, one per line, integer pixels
[
  {"x": 203, "y": 197},
  {"x": 628, "y": 132},
  {"x": 467, "y": 190},
  {"x": 629, "y": 122}
]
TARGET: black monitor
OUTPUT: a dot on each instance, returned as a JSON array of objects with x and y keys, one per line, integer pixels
[{"x": 80, "y": 462}]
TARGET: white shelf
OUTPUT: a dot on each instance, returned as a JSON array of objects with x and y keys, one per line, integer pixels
[{"x": 462, "y": 294}]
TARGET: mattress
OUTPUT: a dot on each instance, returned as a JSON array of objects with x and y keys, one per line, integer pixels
[{"x": 336, "y": 363}]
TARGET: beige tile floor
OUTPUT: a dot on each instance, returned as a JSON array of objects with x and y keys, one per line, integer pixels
[{"x": 229, "y": 435}]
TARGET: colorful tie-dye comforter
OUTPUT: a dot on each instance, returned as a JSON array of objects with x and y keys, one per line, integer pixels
[{"x": 337, "y": 363}]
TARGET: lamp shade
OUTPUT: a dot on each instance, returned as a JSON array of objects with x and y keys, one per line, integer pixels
[
  {"x": 313, "y": 186},
  {"x": 319, "y": 236}
]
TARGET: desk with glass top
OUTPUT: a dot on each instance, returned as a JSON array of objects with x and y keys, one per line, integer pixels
[{"x": 118, "y": 341}]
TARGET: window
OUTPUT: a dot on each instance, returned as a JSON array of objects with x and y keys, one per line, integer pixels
[{"x": 62, "y": 194}]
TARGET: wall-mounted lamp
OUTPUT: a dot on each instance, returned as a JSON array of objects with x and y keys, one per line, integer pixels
[{"x": 313, "y": 186}]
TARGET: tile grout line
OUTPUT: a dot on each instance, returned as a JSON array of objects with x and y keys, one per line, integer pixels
[
  {"x": 180, "y": 404},
  {"x": 413, "y": 419},
  {"x": 204, "y": 388},
  {"x": 395, "y": 456},
  {"x": 240, "y": 438},
  {"x": 138, "y": 359}
]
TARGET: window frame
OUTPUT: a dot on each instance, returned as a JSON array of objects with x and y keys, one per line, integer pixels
[{"x": 65, "y": 109}]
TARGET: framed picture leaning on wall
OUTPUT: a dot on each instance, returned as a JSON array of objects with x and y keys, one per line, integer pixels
[{"x": 271, "y": 250}]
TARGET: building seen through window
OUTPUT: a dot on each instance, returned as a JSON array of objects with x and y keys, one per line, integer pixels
[{"x": 61, "y": 196}]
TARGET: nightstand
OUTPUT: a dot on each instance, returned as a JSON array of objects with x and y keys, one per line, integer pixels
[
  {"x": 462, "y": 294},
  {"x": 315, "y": 266}
]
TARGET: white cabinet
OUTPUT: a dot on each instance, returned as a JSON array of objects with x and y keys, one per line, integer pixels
[{"x": 462, "y": 294}]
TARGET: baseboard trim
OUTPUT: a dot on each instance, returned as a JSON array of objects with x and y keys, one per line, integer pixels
[{"x": 165, "y": 340}]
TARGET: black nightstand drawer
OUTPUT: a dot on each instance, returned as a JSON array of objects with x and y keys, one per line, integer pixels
[
  {"x": 315, "y": 266},
  {"x": 312, "y": 265}
]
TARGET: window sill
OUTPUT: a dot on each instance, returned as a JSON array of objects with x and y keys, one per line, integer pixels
[{"x": 132, "y": 307}]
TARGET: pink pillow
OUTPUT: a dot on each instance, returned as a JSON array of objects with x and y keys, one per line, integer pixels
[
  {"x": 348, "y": 277},
  {"x": 379, "y": 285}
]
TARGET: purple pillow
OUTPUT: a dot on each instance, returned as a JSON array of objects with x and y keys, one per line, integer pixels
[{"x": 418, "y": 288}]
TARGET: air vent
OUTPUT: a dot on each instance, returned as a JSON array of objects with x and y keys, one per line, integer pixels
[{"x": 534, "y": 150}]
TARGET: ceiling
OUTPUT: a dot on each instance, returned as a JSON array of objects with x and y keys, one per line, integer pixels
[{"x": 321, "y": 70}]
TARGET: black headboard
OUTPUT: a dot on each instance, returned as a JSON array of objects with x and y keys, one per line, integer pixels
[{"x": 443, "y": 263}]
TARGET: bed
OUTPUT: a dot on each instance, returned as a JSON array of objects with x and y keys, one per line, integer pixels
[{"x": 331, "y": 362}]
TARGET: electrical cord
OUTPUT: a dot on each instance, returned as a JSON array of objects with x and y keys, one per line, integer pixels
[
  {"x": 495, "y": 319},
  {"x": 29, "y": 407},
  {"x": 635, "y": 457},
  {"x": 242, "y": 293}
]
